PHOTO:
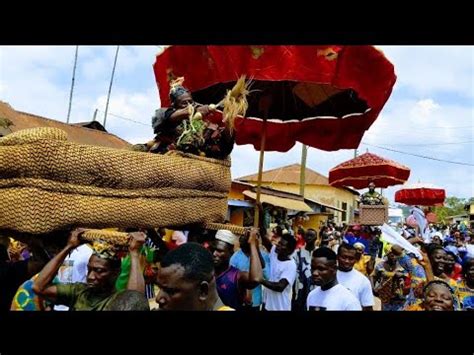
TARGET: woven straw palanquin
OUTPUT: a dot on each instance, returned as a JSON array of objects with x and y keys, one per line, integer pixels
[
  {"x": 48, "y": 183},
  {"x": 373, "y": 215}
]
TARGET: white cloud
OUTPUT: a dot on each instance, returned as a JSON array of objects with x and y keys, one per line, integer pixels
[
  {"x": 433, "y": 69},
  {"x": 423, "y": 109},
  {"x": 138, "y": 107},
  {"x": 406, "y": 124},
  {"x": 39, "y": 80}
]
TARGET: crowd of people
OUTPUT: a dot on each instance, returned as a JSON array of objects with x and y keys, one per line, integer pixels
[
  {"x": 263, "y": 270},
  {"x": 274, "y": 268}
]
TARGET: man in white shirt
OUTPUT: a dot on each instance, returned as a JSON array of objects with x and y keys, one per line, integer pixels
[
  {"x": 329, "y": 295},
  {"x": 278, "y": 288},
  {"x": 302, "y": 258},
  {"x": 352, "y": 279}
]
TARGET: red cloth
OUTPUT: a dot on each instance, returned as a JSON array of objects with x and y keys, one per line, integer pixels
[
  {"x": 171, "y": 245},
  {"x": 420, "y": 196},
  {"x": 456, "y": 275},
  {"x": 300, "y": 243},
  {"x": 363, "y": 69}
]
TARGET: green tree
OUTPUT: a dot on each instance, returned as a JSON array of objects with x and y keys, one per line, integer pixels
[{"x": 452, "y": 206}]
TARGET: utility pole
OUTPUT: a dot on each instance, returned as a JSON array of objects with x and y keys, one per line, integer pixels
[
  {"x": 110, "y": 86},
  {"x": 72, "y": 85}
]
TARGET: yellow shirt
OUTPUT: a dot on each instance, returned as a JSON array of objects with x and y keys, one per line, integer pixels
[{"x": 361, "y": 265}]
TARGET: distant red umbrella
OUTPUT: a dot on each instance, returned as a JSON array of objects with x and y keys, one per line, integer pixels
[
  {"x": 420, "y": 194},
  {"x": 356, "y": 172}
]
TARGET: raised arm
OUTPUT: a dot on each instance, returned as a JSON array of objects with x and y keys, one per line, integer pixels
[
  {"x": 136, "y": 281},
  {"x": 42, "y": 285}
]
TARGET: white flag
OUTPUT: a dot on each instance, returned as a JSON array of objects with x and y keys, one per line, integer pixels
[
  {"x": 421, "y": 221},
  {"x": 391, "y": 236}
]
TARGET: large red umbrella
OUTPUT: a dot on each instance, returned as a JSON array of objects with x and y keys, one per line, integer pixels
[
  {"x": 357, "y": 172},
  {"x": 322, "y": 96},
  {"x": 420, "y": 194}
]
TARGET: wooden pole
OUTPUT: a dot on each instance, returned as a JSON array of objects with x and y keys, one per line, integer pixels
[
  {"x": 304, "y": 153},
  {"x": 260, "y": 172}
]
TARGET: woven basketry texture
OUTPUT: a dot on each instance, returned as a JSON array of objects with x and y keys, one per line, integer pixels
[
  {"x": 37, "y": 211},
  {"x": 238, "y": 230},
  {"x": 63, "y": 161},
  {"x": 48, "y": 184},
  {"x": 373, "y": 215}
]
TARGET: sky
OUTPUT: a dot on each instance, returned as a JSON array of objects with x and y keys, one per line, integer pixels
[{"x": 429, "y": 113}]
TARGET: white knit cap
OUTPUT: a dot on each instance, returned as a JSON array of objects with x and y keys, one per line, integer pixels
[
  {"x": 226, "y": 236},
  {"x": 359, "y": 245}
]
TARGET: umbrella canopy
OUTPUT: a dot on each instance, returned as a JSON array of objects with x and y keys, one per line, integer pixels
[
  {"x": 358, "y": 171},
  {"x": 423, "y": 194},
  {"x": 322, "y": 96}
]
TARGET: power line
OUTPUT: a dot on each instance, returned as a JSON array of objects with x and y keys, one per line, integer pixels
[
  {"x": 126, "y": 118},
  {"x": 418, "y": 131},
  {"x": 420, "y": 156},
  {"x": 431, "y": 144},
  {"x": 422, "y": 136}
]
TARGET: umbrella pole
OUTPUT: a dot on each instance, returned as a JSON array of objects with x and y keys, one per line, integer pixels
[
  {"x": 260, "y": 171},
  {"x": 304, "y": 152}
]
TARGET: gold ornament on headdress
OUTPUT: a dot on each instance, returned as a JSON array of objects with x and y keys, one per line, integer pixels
[
  {"x": 15, "y": 248},
  {"x": 104, "y": 249},
  {"x": 174, "y": 84}
]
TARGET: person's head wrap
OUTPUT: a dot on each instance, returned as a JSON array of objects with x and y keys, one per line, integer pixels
[
  {"x": 468, "y": 303},
  {"x": 437, "y": 234},
  {"x": 104, "y": 250},
  {"x": 15, "y": 249},
  {"x": 451, "y": 249},
  {"x": 359, "y": 245},
  {"x": 177, "y": 89},
  {"x": 226, "y": 236},
  {"x": 387, "y": 248}
]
